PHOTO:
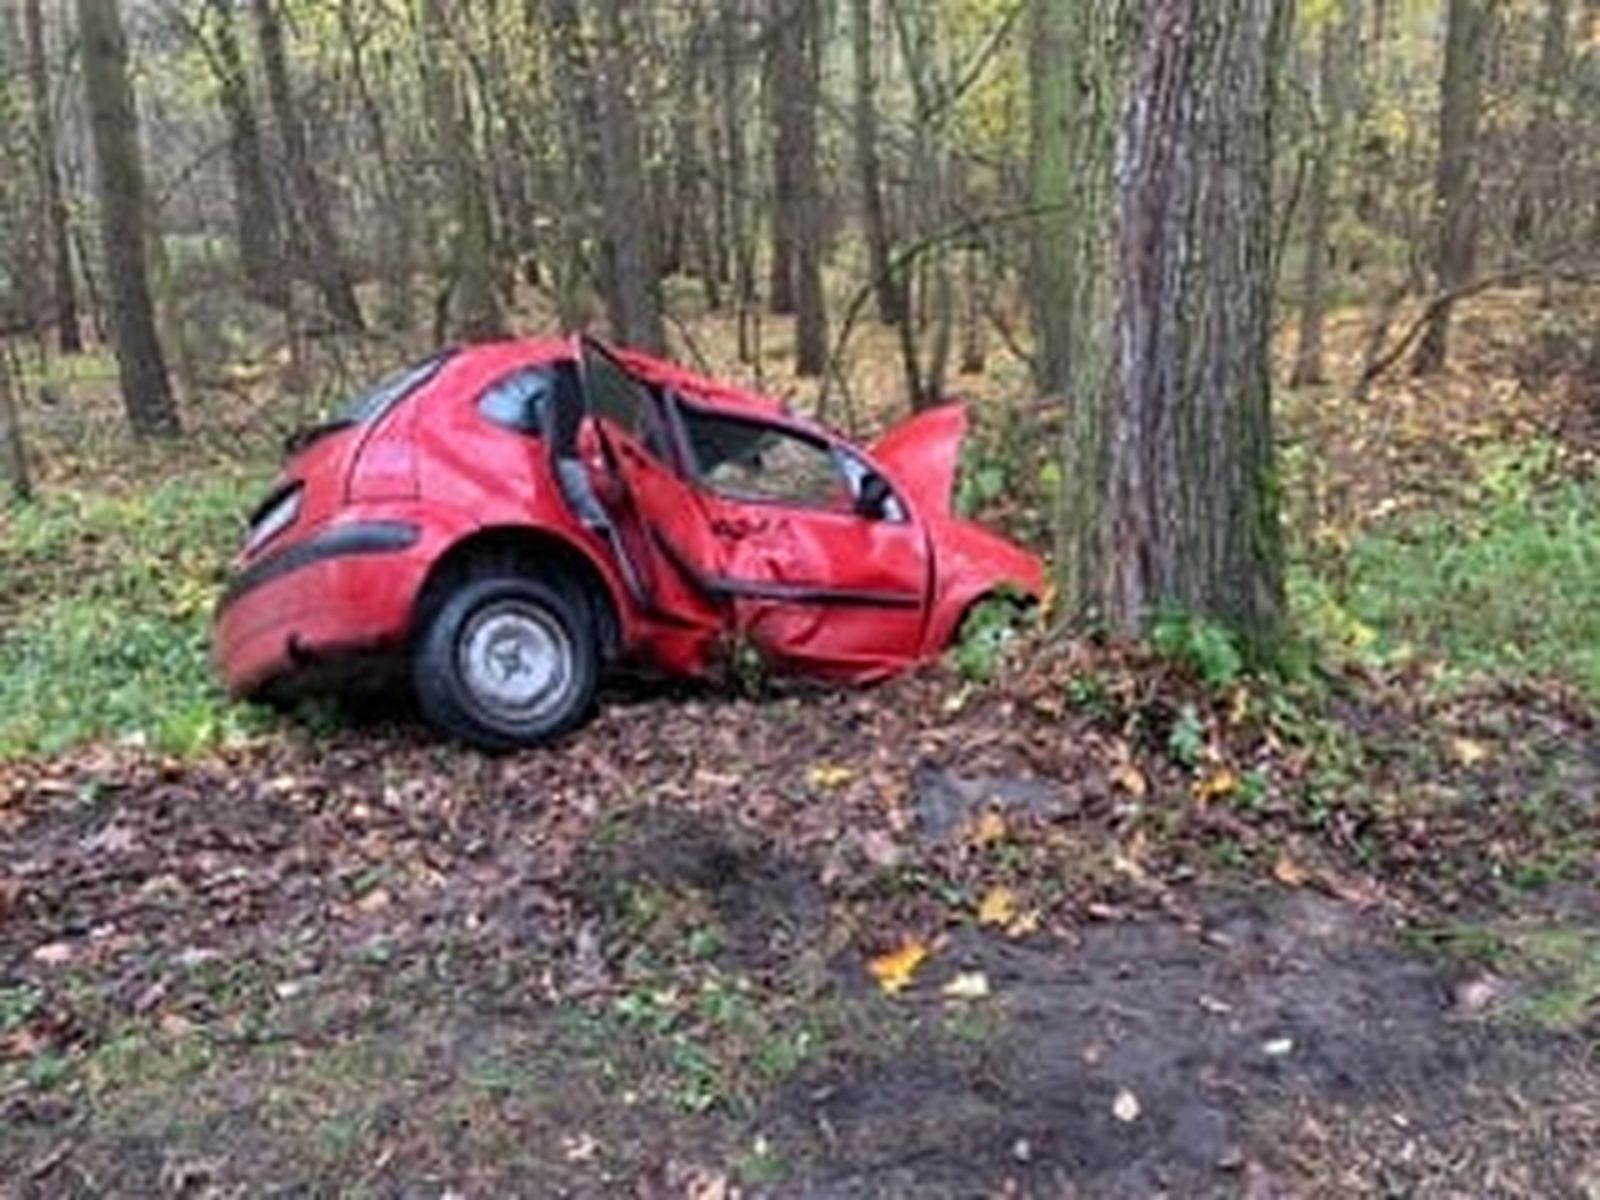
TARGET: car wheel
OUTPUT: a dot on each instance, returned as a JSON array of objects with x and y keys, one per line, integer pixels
[{"x": 506, "y": 661}]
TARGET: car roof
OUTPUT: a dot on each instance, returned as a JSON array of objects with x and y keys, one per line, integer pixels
[{"x": 485, "y": 360}]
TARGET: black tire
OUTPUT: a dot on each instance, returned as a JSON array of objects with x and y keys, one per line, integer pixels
[{"x": 471, "y": 662}]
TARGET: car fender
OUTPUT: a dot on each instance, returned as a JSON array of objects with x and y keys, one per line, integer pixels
[{"x": 969, "y": 563}]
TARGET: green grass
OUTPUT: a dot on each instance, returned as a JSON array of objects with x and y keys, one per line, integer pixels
[
  {"x": 105, "y": 608},
  {"x": 1505, "y": 583}
]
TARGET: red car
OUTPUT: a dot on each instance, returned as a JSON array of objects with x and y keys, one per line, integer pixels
[{"x": 503, "y": 521}]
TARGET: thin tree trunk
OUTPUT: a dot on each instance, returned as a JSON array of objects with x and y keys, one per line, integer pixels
[
  {"x": 1065, "y": 121},
  {"x": 13, "y": 456},
  {"x": 324, "y": 259},
  {"x": 1455, "y": 184},
  {"x": 635, "y": 299},
  {"x": 475, "y": 306},
  {"x": 785, "y": 52},
  {"x": 731, "y": 27},
  {"x": 1308, "y": 365},
  {"x": 397, "y": 232},
  {"x": 811, "y": 321},
  {"x": 113, "y": 121},
  {"x": 875, "y": 222},
  {"x": 255, "y": 206},
  {"x": 63, "y": 293}
]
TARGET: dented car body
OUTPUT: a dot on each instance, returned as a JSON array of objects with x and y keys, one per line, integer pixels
[{"x": 505, "y": 521}]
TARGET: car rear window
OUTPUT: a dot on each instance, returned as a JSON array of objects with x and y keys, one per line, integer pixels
[{"x": 389, "y": 391}]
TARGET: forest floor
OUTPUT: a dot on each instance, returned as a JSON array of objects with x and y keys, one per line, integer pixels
[{"x": 1103, "y": 923}]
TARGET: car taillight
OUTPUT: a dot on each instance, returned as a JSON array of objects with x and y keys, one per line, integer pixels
[{"x": 272, "y": 516}]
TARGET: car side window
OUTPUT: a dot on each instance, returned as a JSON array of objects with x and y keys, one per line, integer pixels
[
  {"x": 517, "y": 401},
  {"x": 751, "y": 460}
]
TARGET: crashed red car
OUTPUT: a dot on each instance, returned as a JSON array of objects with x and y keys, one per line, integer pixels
[{"x": 504, "y": 522}]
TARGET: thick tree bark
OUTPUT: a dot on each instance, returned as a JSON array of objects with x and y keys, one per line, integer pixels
[
  {"x": 474, "y": 304},
  {"x": 1470, "y": 23},
  {"x": 874, "y": 218},
  {"x": 322, "y": 258},
  {"x": 1183, "y": 503},
  {"x": 113, "y": 121},
  {"x": 255, "y": 206},
  {"x": 634, "y": 300},
  {"x": 63, "y": 292}
]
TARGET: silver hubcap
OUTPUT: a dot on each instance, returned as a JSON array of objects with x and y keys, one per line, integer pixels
[{"x": 516, "y": 660}]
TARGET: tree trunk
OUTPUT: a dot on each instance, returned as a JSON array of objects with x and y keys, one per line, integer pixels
[
  {"x": 474, "y": 302},
  {"x": 731, "y": 26},
  {"x": 1308, "y": 366},
  {"x": 811, "y": 321},
  {"x": 1181, "y": 495},
  {"x": 875, "y": 222},
  {"x": 1065, "y": 121},
  {"x": 113, "y": 121},
  {"x": 634, "y": 301},
  {"x": 397, "y": 233},
  {"x": 1538, "y": 196},
  {"x": 1455, "y": 183},
  {"x": 255, "y": 206},
  {"x": 784, "y": 53},
  {"x": 13, "y": 457},
  {"x": 322, "y": 258},
  {"x": 64, "y": 292}
]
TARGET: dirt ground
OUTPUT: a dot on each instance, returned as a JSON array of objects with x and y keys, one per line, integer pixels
[{"x": 640, "y": 964}]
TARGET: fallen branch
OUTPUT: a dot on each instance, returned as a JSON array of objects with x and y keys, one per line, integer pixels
[{"x": 1585, "y": 273}]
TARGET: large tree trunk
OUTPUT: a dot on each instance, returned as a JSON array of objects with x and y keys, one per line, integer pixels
[
  {"x": 474, "y": 303},
  {"x": 255, "y": 206},
  {"x": 1182, "y": 501},
  {"x": 64, "y": 292},
  {"x": 113, "y": 121},
  {"x": 875, "y": 221},
  {"x": 322, "y": 259},
  {"x": 1455, "y": 184},
  {"x": 779, "y": 85},
  {"x": 634, "y": 300},
  {"x": 731, "y": 29}
]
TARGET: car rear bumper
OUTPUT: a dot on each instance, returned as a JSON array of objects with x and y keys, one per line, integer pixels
[{"x": 346, "y": 589}]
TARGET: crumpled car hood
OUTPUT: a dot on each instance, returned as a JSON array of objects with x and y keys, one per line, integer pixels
[{"x": 923, "y": 454}]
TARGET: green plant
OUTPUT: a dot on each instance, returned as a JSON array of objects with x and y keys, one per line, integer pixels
[
  {"x": 107, "y": 600},
  {"x": 990, "y": 626},
  {"x": 1206, "y": 648},
  {"x": 1186, "y": 741}
]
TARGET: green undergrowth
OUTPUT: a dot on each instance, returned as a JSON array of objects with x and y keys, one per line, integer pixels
[
  {"x": 1505, "y": 582},
  {"x": 105, "y": 609}
]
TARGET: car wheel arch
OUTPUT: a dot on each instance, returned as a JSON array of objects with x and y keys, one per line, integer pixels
[{"x": 536, "y": 552}]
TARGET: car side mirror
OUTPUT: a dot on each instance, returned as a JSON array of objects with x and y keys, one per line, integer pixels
[{"x": 873, "y": 497}]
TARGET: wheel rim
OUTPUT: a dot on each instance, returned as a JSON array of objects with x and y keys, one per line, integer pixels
[{"x": 516, "y": 661}]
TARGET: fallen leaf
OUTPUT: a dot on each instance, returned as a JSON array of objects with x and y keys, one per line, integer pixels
[
  {"x": 998, "y": 907},
  {"x": 1219, "y": 783},
  {"x": 1130, "y": 779},
  {"x": 1027, "y": 923},
  {"x": 968, "y": 985},
  {"x": 894, "y": 970},
  {"x": 989, "y": 828},
  {"x": 1288, "y": 872},
  {"x": 1467, "y": 752},
  {"x": 1126, "y": 1107},
  {"x": 53, "y": 954},
  {"x": 830, "y": 775}
]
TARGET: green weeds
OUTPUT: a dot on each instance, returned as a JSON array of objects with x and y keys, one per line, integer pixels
[{"x": 105, "y": 617}]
